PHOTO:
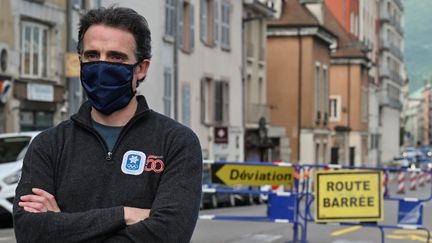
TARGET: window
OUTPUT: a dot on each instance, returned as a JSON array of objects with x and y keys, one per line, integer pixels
[
  {"x": 206, "y": 100},
  {"x": 209, "y": 21},
  {"x": 374, "y": 141},
  {"x": 335, "y": 108},
  {"x": 221, "y": 102},
  {"x": 167, "y": 98},
  {"x": 225, "y": 25},
  {"x": 35, "y": 120},
  {"x": 325, "y": 90},
  {"x": 187, "y": 27},
  {"x": 214, "y": 101},
  {"x": 186, "y": 108},
  {"x": 169, "y": 17},
  {"x": 34, "y": 46},
  {"x": 364, "y": 104},
  {"x": 317, "y": 92}
]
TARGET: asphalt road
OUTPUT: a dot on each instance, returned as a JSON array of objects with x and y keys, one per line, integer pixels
[
  {"x": 250, "y": 232},
  {"x": 217, "y": 231}
]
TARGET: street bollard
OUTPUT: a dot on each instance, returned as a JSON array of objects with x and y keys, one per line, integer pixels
[
  {"x": 401, "y": 182},
  {"x": 413, "y": 180}
]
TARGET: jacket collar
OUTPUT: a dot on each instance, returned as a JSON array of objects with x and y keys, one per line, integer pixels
[{"x": 83, "y": 114}]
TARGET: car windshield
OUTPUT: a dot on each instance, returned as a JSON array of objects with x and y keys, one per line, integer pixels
[{"x": 13, "y": 148}]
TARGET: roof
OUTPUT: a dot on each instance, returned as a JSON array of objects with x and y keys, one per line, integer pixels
[{"x": 294, "y": 14}]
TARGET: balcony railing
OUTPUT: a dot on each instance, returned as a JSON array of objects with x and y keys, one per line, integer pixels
[
  {"x": 255, "y": 111},
  {"x": 386, "y": 45},
  {"x": 384, "y": 72},
  {"x": 385, "y": 17},
  {"x": 399, "y": 3},
  {"x": 386, "y": 100}
]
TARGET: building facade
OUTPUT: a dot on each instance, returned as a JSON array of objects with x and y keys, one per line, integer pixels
[
  {"x": 263, "y": 142},
  {"x": 32, "y": 47},
  {"x": 298, "y": 78},
  {"x": 391, "y": 67}
]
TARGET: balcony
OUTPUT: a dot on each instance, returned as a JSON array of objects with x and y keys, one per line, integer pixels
[
  {"x": 386, "y": 45},
  {"x": 255, "y": 111},
  {"x": 384, "y": 72},
  {"x": 399, "y": 4},
  {"x": 386, "y": 18},
  {"x": 386, "y": 100}
]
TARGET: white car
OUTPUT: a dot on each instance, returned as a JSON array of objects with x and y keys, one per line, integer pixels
[{"x": 13, "y": 147}]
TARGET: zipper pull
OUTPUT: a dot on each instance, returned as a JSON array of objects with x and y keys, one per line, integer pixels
[{"x": 108, "y": 156}]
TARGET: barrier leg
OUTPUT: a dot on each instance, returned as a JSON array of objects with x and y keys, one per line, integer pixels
[
  {"x": 401, "y": 182},
  {"x": 421, "y": 179},
  {"x": 413, "y": 180},
  {"x": 385, "y": 183}
]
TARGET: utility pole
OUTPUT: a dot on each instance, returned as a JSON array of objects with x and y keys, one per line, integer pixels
[{"x": 74, "y": 86}]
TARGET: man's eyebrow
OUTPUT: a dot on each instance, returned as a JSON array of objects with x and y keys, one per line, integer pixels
[
  {"x": 91, "y": 52},
  {"x": 117, "y": 53}
]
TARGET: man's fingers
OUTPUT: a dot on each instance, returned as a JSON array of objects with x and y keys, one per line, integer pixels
[
  {"x": 43, "y": 193},
  {"x": 52, "y": 203},
  {"x": 34, "y": 205},
  {"x": 49, "y": 203},
  {"x": 31, "y": 210},
  {"x": 33, "y": 198}
]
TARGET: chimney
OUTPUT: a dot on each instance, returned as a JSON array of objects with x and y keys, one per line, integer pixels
[{"x": 316, "y": 7}]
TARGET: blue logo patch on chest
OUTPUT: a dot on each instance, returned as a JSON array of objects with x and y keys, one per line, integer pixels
[{"x": 133, "y": 162}]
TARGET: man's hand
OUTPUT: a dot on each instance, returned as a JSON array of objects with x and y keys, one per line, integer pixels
[
  {"x": 40, "y": 201},
  {"x": 135, "y": 215}
]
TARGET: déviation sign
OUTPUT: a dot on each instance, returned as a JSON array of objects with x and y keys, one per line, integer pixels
[{"x": 252, "y": 174}]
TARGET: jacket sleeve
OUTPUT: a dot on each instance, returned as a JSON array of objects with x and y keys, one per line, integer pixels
[
  {"x": 90, "y": 226},
  {"x": 175, "y": 209}
]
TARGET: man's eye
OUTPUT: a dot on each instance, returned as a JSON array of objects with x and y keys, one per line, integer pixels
[
  {"x": 91, "y": 57},
  {"x": 117, "y": 58}
]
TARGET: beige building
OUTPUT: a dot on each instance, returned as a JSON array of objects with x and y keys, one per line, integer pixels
[
  {"x": 263, "y": 142},
  {"x": 210, "y": 75},
  {"x": 299, "y": 57},
  {"x": 32, "y": 45}
]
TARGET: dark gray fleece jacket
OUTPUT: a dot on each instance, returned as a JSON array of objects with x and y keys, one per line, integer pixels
[{"x": 156, "y": 163}]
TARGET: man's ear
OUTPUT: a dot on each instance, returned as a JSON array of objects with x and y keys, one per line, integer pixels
[{"x": 142, "y": 68}]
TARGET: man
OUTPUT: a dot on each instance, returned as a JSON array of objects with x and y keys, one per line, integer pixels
[{"x": 117, "y": 171}]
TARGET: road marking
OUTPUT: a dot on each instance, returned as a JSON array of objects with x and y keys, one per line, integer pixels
[
  {"x": 6, "y": 238},
  {"x": 409, "y": 237},
  {"x": 345, "y": 231},
  {"x": 416, "y": 232},
  {"x": 255, "y": 238}
]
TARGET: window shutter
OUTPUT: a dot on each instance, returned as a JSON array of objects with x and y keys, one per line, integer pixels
[
  {"x": 225, "y": 99},
  {"x": 203, "y": 20},
  {"x": 192, "y": 27},
  {"x": 228, "y": 28},
  {"x": 180, "y": 23},
  {"x": 202, "y": 100},
  {"x": 186, "y": 109},
  {"x": 216, "y": 20}
]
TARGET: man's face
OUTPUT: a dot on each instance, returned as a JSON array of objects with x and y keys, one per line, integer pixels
[{"x": 105, "y": 43}]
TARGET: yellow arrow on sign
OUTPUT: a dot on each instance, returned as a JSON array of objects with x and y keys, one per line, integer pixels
[{"x": 238, "y": 174}]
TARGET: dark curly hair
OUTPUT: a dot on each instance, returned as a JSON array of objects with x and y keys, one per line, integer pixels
[{"x": 123, "y": 18}]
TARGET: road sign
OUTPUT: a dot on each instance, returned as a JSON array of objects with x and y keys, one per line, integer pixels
[
  {"x": 348, "y": 195},
  {"x": 410, "y": 213},
  {"x": 254, "y": 175}
]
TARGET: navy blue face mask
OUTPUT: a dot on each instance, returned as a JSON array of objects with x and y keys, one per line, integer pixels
[{"x": 108, "y": 85}]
